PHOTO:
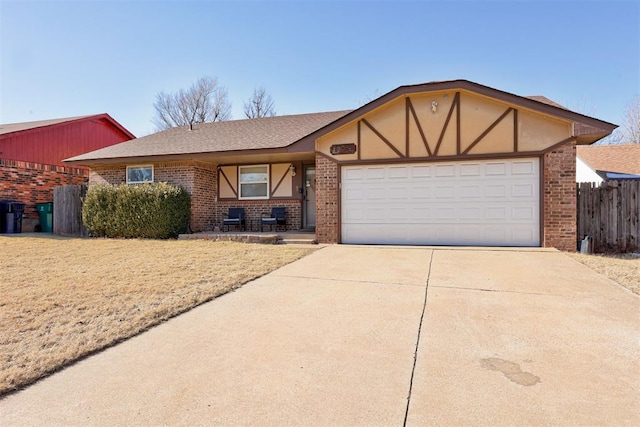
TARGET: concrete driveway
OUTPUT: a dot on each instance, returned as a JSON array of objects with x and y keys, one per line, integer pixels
[{"x": 373, "y": 336}]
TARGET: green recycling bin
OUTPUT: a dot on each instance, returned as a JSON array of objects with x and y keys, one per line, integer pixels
[{"x": 45, "y": 212}]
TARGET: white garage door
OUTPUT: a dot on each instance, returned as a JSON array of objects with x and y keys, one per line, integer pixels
[{"x": 484, "y": 203}]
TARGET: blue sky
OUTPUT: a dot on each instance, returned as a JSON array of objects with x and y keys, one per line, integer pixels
[{"x": 62, "y": 58}]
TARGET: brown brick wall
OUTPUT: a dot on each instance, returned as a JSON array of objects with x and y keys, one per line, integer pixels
[
  {"x": 197, "y": 178},
  {"x": 115, "y": 174},
  {"x": 560, "y": 198},
  {"x": 32, "y": 183},
  {"x": 255, "y": 208},
  {"x": 327, "y": 194},
  {"x": 205, "y": 186}
]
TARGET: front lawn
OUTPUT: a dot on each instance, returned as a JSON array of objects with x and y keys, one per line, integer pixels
[{"x": 62, "y": 299}]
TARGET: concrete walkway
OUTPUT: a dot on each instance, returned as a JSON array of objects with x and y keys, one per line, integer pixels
[{"x": 372, "y": 336}]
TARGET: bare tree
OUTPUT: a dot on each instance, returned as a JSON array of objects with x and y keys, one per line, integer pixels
[
  {"x": 204, "y": 101},
  {"x": 259, "y": 105},
  {"x": 629, "y": 130},
  {"x": 630, "y": 127}
]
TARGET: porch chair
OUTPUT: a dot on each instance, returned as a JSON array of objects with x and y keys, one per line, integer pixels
[
  {"x": 278, "y": 217},
  {"x": 235, "y": 217}
]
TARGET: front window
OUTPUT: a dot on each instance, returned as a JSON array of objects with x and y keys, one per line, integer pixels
[
  {"x": 139, "y": 174},
  {"x": 254, "y": 182}
]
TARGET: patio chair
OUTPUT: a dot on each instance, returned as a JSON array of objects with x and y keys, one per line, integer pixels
[
  {"x": 235, "y": 217},
  {"x": 278, "y": 217}
]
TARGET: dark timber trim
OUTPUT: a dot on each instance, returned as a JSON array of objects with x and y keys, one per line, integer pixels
[
  {"x": 489, "y": 129},
  {"x": 559, "y": 144},
  {"x": 515, "y": 131},
  {"x": 458, "y": 126},
  {"x": 235, "y": 192},
  {"x": 454, "y": 104},
  {"x": 359, "y": 141},
  {"x": 385, "y": 140},
  {"x": 422, "y": 135},
  {"x": 281, "y": 179}
]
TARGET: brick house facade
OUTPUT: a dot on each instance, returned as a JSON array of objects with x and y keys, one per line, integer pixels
[
  {"x": 439, "y": 163},
  {"x": 200, "y": 181},
  {"x": 32, "y": 154},
  {"x": 32, "y": 183}
]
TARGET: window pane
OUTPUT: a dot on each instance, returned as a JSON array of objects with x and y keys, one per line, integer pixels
[
  {"x": 253, "y": 190},
  {"x": 253, "y": 174},
  {"x": 140, "y": 174}
]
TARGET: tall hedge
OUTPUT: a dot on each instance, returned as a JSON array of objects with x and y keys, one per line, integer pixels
[{"x": 153, "y": 211}]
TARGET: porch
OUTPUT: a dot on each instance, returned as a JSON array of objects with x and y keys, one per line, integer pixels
[{"x": 266, "y": 237}]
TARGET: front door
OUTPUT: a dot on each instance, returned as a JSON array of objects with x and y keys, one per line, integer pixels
[{"x": 309, "y": 195}]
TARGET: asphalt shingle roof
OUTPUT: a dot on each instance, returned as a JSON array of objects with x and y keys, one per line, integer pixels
[
  {"x": 233, "y": 135},
  {"x": 17, "y": 127},
  {"x": 623, "y": 159}
]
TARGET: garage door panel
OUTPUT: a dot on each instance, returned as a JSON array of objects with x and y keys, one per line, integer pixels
[
  {"x": 397, "y": 172},
  {"x": 445, "y": 192},
  {"x": 421, "y": 172},
  {"x": 526, "y": 213},
  {"x": 470, "y": 191},
  {"x": 470, "y": 169},
  {"x": 527, "y": 167},
  {"x": 375, "y": 173},
  {"x": 468, "y": 203},
  {"x": 522, "y": 190},
  {"x": 495, "y": 169},
  {"x": 375, "y": 193}
]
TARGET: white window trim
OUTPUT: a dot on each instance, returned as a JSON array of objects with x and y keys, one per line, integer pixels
[
  {"x": 261, "y": 182},
  {"x": 140, "y": 166}
]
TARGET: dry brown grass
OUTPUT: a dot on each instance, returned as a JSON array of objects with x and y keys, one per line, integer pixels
[
  {"x": 623, "y": 269},
  {"x": 62, "y": 299}
]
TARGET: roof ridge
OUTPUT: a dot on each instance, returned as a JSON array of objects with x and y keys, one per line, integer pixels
[
  {"x": 57, "y": 120},
  {"x": 246, "y": 119}
]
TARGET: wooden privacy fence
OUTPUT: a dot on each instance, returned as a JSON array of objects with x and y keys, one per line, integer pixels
[
  {"x": 67, "y": 210},
  {"x": 609, "y": 215}
]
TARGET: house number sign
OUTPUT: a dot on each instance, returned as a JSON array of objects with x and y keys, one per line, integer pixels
[{"x": 343, "y": 149}]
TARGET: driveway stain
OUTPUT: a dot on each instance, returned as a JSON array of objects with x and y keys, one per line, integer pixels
[{"x": 510, "y": 370}]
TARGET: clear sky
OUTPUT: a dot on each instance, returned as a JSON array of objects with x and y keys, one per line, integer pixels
[{"x": 64, "y": 58}]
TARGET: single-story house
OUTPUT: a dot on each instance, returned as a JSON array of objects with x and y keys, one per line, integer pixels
[
  {"x": 604, "y": 162},
  {"x": 441, "y": 163},
  {"x": 32, "y": 154}
]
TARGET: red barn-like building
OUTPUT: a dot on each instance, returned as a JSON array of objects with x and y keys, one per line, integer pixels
[{"x": 32, "y": 154}]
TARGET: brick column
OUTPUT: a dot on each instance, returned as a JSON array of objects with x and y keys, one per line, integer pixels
[
  {"x": 327, "y": 194},
  {"x": 560, "y": 198}
]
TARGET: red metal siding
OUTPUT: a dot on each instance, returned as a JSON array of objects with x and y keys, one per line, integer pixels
[{"x": 52, "y": 144}]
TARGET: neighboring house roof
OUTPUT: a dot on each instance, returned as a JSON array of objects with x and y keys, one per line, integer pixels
[
  {"x": 10, "y": 128},
  {"x": 621, "y": 159},
  {"x": 297, "y": 133},
  {"x": 233, "y": 135},
  {"x": 613, "y": 175}
]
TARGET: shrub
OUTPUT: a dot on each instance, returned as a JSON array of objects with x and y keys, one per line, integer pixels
[{"x": 153, "y": 211}]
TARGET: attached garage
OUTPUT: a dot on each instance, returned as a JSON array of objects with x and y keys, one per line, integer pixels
[
  {"x": 451, "y": 163},
  {"x": 489, "y": 202}
]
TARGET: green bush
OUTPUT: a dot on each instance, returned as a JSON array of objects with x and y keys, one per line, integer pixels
[{"x": 152, "y": 211}]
